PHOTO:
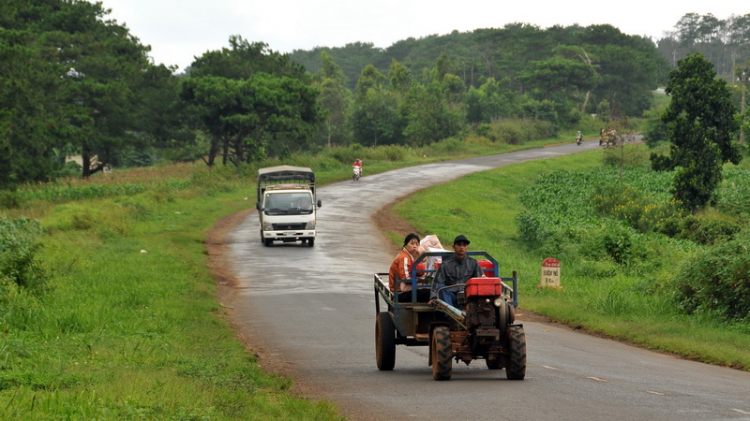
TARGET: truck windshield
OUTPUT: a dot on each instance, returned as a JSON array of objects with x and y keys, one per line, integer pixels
[{"x": 288, "y": 204}]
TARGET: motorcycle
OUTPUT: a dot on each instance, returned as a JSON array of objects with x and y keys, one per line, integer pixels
[
  {"x": 356, "y": 173},
  {"x": 578, "y": 140}
]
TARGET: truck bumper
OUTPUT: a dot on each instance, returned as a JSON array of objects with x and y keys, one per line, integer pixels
[{"x": 291, "y": 235}]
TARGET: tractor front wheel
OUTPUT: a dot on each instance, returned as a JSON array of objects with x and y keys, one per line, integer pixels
[
  {"x": 442, "y": 356},
  {"x": 515, "y": 366},
  {"x": 385, "y": 342}
]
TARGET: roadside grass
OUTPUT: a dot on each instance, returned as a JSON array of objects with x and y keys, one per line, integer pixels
[
  {"x": 130, "y": 327},
  {"x": 628, "y": 302}
]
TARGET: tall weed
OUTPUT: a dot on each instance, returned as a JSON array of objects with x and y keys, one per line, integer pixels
[{"x": 20, "y": 240}]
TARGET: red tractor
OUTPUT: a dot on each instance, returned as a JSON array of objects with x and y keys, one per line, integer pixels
[{"x": 481, "y": 327}]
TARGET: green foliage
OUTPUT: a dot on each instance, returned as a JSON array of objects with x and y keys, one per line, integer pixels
[
  {"x": 20, "y": 240},
  {"x": 717, "y": 280},
  {"x": 628, "y": 157},
  {"x": 701, "y": 125},
  {"x": 616, "y": 241},
  {"x": 641, "y": 212},
  {"x": 709, "y": 228},
  {"x": 519, "y": 131},
  {"x": 604, "y": 111},
  {"x": 656, "y": 130}
]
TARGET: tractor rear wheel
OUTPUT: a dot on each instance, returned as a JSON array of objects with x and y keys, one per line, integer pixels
[
  {"x": 385, "y": 342},
  {"x": 442, "y": 356},
  {"x": 515, "y": 366}
]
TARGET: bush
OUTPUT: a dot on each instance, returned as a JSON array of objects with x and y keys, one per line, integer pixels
[
  {"x": 518, "y": 131},
  {"x": 533, "y": 230},
  {"x": 19, "y": 242},
  {"x": 709, "y": 229},
  {"x": 717, "y": 280},
  {"x": 626, "y": 156},
  {"x": 643, "y": 213}
]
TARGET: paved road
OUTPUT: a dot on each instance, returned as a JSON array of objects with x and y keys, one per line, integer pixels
[{"x": 314, "y": 307}]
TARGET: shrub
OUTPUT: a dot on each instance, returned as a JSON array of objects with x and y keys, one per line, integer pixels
[
  {"x": 643, "y": 213},
  {"x": 10, "y": 199},
  {"x": 709, "y": 229},
  {"x": 448, "y": 145},
  {"x": 717, "y": 280},
  {"x": 626, "y": 156},
  {"x": 19, "y": 242},
  {"x": 534, "y": 232}
]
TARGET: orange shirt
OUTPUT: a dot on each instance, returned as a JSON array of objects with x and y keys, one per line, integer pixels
[{"x": 401, "y": 270}]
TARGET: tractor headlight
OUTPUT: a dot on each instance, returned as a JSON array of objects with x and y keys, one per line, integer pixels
[{"x": 498, "y": 302}]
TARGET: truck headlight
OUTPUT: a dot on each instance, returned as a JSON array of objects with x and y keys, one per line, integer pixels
[
  {"x": 266, "y": 226},
  {"x": 310, "y": 225}
]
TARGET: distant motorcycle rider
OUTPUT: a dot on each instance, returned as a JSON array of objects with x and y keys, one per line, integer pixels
[{"x": 358, "y": 164}]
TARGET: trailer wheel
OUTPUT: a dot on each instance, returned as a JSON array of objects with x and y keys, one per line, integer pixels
[
  {"x": 385, "y": 342},
  {"x": 515, "y": 367},
  {"x": 442, "y": 357}
]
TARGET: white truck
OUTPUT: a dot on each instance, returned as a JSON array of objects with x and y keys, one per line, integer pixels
[{"x": 287, "y": 205}]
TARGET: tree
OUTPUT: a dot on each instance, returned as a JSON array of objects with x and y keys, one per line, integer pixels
[
  {"x": 251, "y": 101},
  {"x": 374, "y": 115},
  {"x": 242, "y": 116},
  {"x": 702, "y": 125},
  {"x": 88, "y": 70},
  {"x": 30, "y": 115},
  {"x": 334, "y": 96}
]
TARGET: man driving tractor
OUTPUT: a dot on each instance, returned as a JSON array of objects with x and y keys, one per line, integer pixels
[{"x": 456, "y": 269}]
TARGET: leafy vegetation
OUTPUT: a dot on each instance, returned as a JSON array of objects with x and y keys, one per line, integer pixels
[{"x": 701, "y": 125}]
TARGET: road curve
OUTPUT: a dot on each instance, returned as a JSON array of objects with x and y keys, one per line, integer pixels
[{"x": 314, "y": 308}]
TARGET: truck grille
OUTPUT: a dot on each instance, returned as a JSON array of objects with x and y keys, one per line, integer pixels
[{"x": 281, "y": 227}]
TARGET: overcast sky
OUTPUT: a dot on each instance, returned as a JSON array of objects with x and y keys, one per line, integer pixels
[{"x": 178, "y": 30}]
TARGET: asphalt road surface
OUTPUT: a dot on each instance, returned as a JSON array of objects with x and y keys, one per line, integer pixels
[{"x": 314, "y": 309}]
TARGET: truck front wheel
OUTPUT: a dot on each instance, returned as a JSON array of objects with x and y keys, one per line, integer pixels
[{"x": 268, "y": 242}]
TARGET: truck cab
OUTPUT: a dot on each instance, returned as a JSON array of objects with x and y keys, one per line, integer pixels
[{"x": 287, "y": 204}]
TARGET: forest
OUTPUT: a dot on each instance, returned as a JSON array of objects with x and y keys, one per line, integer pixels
[{"x": 75, "y": 83}]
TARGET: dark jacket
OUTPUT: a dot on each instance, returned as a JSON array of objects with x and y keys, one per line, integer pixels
[{"x": 455, "y": 271}]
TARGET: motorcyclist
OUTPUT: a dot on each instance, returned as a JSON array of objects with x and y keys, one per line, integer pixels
[
  {"x": 358, "y": 164},
  {"x": 579, "y": 137}
]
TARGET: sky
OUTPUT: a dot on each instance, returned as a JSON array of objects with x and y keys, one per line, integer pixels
[{"x": 179, "y": 30}]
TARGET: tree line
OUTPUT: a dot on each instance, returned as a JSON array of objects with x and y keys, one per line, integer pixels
[
  {"x": 73, "y": 82},
  {"x": 723, "y": 42}
]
